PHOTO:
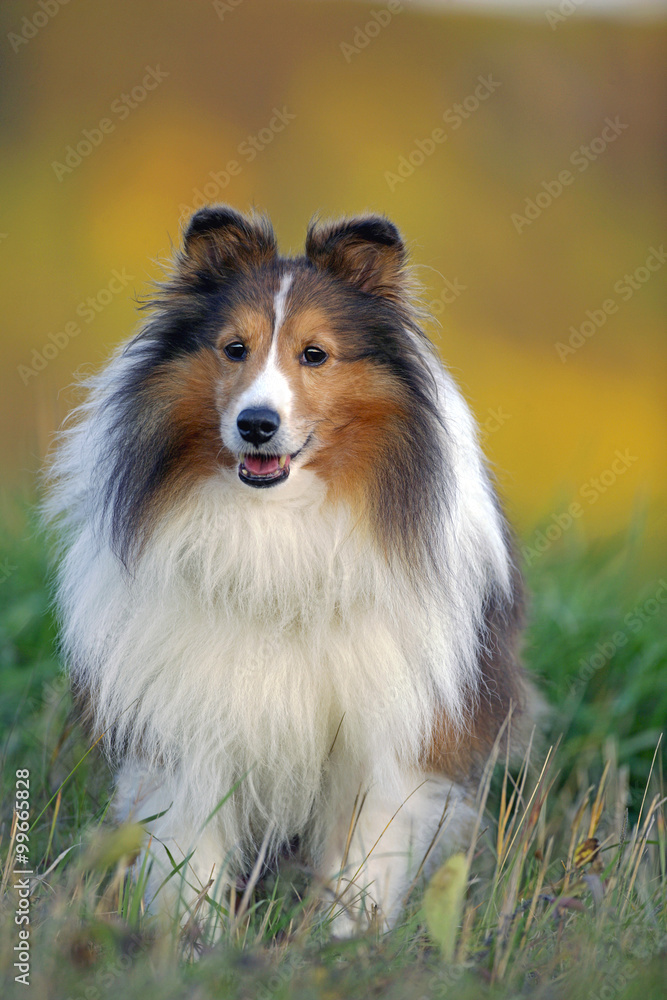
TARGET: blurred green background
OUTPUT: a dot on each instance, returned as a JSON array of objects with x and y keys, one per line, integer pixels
[
  {"x": 119, "y": 118},
  {"x": 523, "y": 158}
]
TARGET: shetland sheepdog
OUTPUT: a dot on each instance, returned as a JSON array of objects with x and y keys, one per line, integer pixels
[{"x": 287, "y": 592}]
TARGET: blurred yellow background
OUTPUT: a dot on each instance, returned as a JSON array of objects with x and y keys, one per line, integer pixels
[{"x": 521, "y": 159}]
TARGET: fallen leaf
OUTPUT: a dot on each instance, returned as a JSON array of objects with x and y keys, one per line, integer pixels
[{"x": 443, "y": 902}]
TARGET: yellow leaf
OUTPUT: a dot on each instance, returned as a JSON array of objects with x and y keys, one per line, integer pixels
[
  {"x": 443, "y": 902},
  {"x": 108, "y": 846}
]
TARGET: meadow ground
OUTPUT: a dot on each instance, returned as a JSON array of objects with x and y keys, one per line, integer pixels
[{"x": 563, "y": 892}]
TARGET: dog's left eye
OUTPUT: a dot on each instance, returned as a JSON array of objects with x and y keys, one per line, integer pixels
[
  {"x": 313, "y": 356},
  {"x": 236, "y": 351}
]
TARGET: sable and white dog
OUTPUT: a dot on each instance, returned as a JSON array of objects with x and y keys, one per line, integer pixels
[{"x": 285, "y": 573}]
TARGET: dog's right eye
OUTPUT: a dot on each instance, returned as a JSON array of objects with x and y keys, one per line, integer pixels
[{"x": 236, "y": 351}]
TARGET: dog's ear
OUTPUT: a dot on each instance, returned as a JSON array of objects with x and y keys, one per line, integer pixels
[
  {"x": 219, "y": 242},
  {"x": 366, "y": 252}
]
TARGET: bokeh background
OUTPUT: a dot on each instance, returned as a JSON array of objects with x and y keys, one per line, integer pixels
[
  {"x": 119, "y": 117},
  {"x": 321, "y": 106}
]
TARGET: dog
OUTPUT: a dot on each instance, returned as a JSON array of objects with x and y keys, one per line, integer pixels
[{"x": 288, "y": 597}]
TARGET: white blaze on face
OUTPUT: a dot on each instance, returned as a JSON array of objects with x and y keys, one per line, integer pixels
[
  {"x": 279, "y": 304},
  {"x": 271, "y": 388}
]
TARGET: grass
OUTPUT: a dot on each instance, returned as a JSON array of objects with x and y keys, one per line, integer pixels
[{"x": 562, "y": 892}]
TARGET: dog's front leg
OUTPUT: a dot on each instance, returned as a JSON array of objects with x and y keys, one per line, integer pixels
[
  {"x": 380, "y": 840},
  {"x": 185, "y": 863}
]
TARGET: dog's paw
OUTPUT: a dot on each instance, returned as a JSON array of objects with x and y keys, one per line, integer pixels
[
  {"x": 345, "y": 925},
  {"x": 350, "y": 920}
]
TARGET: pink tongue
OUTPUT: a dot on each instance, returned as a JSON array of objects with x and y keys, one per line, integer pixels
[{"x": 260, "y": 466}]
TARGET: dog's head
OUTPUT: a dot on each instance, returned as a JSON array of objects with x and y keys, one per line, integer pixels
[
  {"x": 305, "y": 346},
  {"x": 256, "y": 368}
]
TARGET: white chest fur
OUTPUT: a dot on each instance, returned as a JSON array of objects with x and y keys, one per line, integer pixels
[{"x": 247, "y": 635}]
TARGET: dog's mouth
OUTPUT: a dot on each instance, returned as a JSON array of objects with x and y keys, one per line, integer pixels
[
  {"x": 268, "y": 470},
  {"x": 264, "y": 470}
]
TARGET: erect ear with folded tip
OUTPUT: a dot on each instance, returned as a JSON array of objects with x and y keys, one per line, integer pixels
[
  {"x": 366, "y": 252},
  {"x": 219, "y": 242}
]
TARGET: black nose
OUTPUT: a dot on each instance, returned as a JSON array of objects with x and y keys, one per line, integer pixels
[{"x": 258, "y": 424}]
